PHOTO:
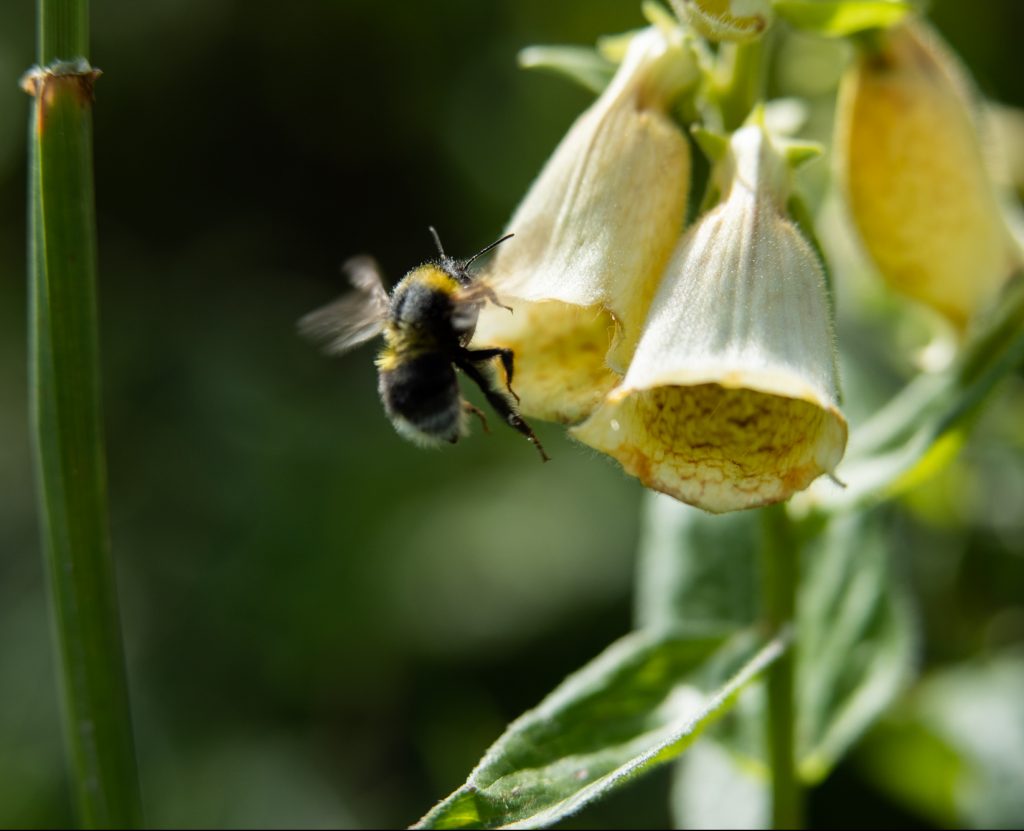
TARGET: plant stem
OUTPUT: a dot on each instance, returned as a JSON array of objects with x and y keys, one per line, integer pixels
[
  {"x": 63, "y": 30},
  {"x": 741, "y": 84},
  {"x": 67, "y": 424},
  {"x": 779, "y": 577}
]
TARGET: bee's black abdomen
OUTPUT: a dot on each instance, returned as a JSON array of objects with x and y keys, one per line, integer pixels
[{"x": 421, "y": 397}]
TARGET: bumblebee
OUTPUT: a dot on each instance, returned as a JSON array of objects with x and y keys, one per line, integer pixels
[{"x": 427, "y": 321}]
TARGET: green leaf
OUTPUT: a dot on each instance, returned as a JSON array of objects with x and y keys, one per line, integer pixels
[
  {"x": 696, "y": 569},
  {"x": 639, "y": 704},
  {"x": 577, "y": 63},
  {"x": 956, "y": 750},
  {"x": 856, "y": 644},
  {"x": 716, "y": 786},
  {"x": 914, "y": 766},
  {"x": 840, "y": 18},
  {"x": 923, "y": 424},
  {"x": 857, "y": 640}
]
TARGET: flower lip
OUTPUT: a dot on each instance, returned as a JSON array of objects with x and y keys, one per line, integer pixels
[{"x": 719, "y": 448}]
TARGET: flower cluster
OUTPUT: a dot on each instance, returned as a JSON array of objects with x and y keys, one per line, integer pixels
[{"x": 703, "y": 360}]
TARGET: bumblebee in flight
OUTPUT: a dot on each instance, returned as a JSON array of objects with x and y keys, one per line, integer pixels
[{"x": 427, "y": 322}]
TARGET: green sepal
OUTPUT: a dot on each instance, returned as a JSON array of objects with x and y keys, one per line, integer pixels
[
  {"x": 581, "y": 64},
  {"x": 657, "y": 15},
  {"x": 799, "y": 153},
  {"x": 715, "y": 145},
  {"x": 613, "y": 48}
]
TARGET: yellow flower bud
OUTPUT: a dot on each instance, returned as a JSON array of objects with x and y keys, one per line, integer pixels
[
  {"x": 915, "y": 177},
  {"x": 593, "y": 235},
  {"x": 731, "y": 399}
]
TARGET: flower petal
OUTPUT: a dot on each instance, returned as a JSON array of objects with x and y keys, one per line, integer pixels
[{"x": 594, "y": 232}]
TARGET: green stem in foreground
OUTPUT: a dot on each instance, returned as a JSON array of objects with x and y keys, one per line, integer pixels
[
  {"x": 63, "y": 30},
  {"x": 779, "y": 577},
  {"x": 67, "y": 425}
]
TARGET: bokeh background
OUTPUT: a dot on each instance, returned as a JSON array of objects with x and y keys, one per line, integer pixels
[{"x": 326, "y": 626}]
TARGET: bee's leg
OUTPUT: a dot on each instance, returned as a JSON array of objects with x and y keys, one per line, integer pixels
[
  {"x": 504, "y": 408},
  {"x": 506, "y": 355},
  {"x": 488, "y": 292},
  {"x": 469, "y": 408}
]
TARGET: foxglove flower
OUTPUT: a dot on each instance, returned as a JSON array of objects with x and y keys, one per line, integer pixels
[
  {"x": 915, "y": 176},
  {"x": 593, "y": 235},
  {"x": 731, "y": 398}
]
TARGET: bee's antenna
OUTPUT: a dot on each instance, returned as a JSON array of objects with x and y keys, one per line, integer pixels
[
  {"x": 437, "y": 240},
  {"x": 488, "y": 248}
]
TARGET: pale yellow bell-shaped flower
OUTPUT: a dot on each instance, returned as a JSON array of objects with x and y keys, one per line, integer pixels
[
  {"x": 731, "y": 399},
  {"x": 593, "y": 235},
  {"x": 914, "y": 172}
]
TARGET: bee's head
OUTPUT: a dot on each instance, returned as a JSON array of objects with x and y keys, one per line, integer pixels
[{"x": 459, "y": 269}]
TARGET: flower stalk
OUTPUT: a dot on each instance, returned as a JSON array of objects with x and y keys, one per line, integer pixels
[
  {"x": 742, "y": 84},
  {"x": 67, "y": 425},
  {"x": 779, "y": 580}
]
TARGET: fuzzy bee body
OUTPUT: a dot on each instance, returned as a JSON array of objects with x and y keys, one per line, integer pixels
[
  {"x": 421, "y": 397},
  {"x": 427, "y": 323},
  {"x": 417, "y": 381}
]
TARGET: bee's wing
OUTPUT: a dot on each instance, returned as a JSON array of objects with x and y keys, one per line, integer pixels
[{"x": 355, "y": 317}]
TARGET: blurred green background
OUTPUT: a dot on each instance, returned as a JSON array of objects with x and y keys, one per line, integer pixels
[{"x": 325, "y": 625}]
